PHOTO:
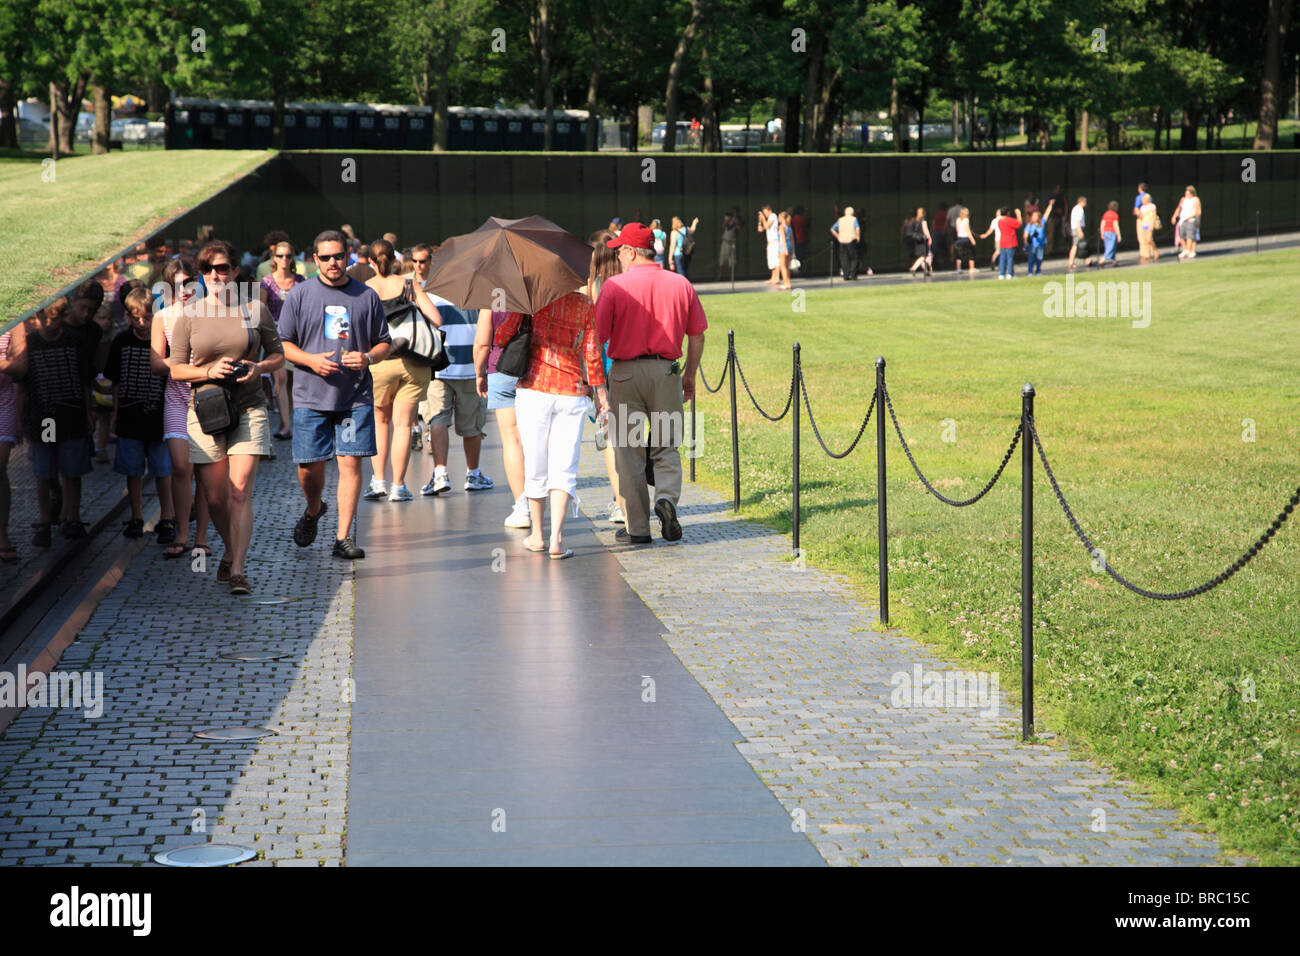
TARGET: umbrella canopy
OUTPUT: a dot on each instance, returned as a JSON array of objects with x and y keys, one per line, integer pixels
[{"x": 531, "y": 261}]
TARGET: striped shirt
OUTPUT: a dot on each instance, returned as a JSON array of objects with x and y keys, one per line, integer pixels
[{"x": 459, "y": 327}]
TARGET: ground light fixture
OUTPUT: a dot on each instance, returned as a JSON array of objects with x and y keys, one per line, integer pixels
[
  {"x": 205, "y": 854},
  {"x": 233, "y": 734}
]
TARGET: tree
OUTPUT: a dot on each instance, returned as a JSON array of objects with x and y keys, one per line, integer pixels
[
  {"x": 15, "y": 24},
  {"x": 1276, "y": 27},
  {"x": 673, "y": 89}
]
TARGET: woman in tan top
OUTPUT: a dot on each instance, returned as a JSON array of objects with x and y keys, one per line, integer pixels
[{"x": 220, "y": 338}]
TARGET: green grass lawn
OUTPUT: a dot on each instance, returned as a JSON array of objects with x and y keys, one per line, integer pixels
[
  {"x": 53, "y": 232},
  {"x": 1144, "y": 428}
]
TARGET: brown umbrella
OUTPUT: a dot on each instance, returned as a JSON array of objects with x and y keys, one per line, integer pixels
[{"x": 519, "y": 265}]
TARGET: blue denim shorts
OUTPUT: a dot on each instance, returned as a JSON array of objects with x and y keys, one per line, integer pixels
[
  {"x": 52, "y": 460},
  {"x": 132, "y": 454},
  {"x": 501, "y": 390},
  {"x": 320, "y": 436}
]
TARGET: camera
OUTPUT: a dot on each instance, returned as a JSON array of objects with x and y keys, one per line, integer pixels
[{"x": 240, "y": 370}]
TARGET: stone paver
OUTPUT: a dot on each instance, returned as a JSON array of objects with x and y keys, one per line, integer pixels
[
  {"x": 791, "y": 658},
  {"x": 128, "y": 784}
]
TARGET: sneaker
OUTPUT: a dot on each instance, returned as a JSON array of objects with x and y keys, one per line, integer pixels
[
  {"x": 479, "y": 482},
  {"x": 304, "y": 532},
  {"x": 615, "y": 513},
  {"x": 519, "y": 516},
  {"x": 438, "y": 483},
  {"x": 134, "y": 528},
  {"x": 669, "y": 527},
  {"x": 41, "y": 533},
  {"x": 622, "y": 537},
  {"x": 347, "y": 548},
  {"x": 400, "y": 493},
  {"x": 377, "y": 490},
  {"x": 166, "y": 530}
]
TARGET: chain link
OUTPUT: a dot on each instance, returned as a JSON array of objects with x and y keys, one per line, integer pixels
[
  {"x": 803, "y": 387},
  {"x": 1015, "y": 439},
  {"x": 789, "y": 399},
  {"x": 1214, "y": 582},
  {"x": 725, "y": 365}
]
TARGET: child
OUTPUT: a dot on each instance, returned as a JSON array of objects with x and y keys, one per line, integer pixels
[
  {"x": 10, "y": 344},
  {"x": 964, "y": 249},
  {"x": 138, "y": 417},
  {"x": 1078, "y": 227},
  {"x": 1110, "y": 236},
  {"x": 56, "y": 366},
  {"x": 1035, "y": 242}
]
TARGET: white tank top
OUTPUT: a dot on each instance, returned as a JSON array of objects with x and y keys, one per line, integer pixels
[
  {"x": 1187, "y": 209},
  {"x": 963, "y": 228}
]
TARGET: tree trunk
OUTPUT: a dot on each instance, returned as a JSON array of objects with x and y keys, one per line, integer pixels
[
  {"x": 826, "y": 112},
  {"x": 155, "y": 94},
  {"x": 970, "y": 122},
  {"x": 895, "y": 112},
  {"x": 544, "y": 61},
  {"x": 103, "y": 118},
  {"x": 636, "y": 127},
  {"x": 1161, "y": 119},
  {"x": 277, "y": 110},
  {"x": 920, "y": 123},
  {"x": 1071, "y": 130},
  {"x": 1191, "y": 125},
  {"x": 675, "y": 76},
  {"x": 955, "y": 141},
  {"x": 1112, "y": 134},
  {"x": 593, "y": 84},
  {"x": 711, "y": 135},
  {"x": 441, "y": 95},
  {"x": 792, "y": 124},
  {"x": 53, "y": 146},
  {"x": 1279, "y": 22},
  {"x": 1083, "y": 131},
  {"x": 816, "y": 57},
  {"x": 8, "y": 114}
]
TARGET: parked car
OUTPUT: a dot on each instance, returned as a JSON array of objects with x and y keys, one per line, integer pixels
[
  {"x": 742, "y": 140},
  {"x": 657, "y": 133}
]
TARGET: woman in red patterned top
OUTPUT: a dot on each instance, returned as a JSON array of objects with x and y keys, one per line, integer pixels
[{"x": 550, "y": 406}]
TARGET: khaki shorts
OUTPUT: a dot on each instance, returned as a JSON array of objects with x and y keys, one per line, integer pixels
[
  {"x": 401, "y": 379},
  {"x": 252, "y": 436},
  {"x": 461, "y": 396}
]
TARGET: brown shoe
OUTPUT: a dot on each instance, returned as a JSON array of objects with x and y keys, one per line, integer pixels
[
  {"x": 239, "y": 584},
  {"x": 223, "y": 571}
]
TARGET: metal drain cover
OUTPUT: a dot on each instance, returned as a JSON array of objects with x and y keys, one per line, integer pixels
[
  {"x": 273, "y": 600},
  {"x": 205, "y": 854},
  {"x": 254, "y": 656},
  {"x": 230, "y": 734}
]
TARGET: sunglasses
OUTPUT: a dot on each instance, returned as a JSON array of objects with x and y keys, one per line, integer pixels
[
  {"x": 420, "y": 262},
  {"x": 283, "y": 255},
  {"x": 221, "y": 268},
  {"x": 340, "y": 256}
]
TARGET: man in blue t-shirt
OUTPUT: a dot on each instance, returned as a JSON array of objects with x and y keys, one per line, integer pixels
[{"x": 333, "y": 330}]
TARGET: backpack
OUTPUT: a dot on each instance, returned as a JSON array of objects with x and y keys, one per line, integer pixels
[
  {"x": 659, "y": 246},
  {"x": 688, "y": 242},
  {"x": 914, "y": 231}
]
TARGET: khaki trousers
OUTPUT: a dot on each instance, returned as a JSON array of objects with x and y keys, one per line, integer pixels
[{"x": 644, "y": 392}]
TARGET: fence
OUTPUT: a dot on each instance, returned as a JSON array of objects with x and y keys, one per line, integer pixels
[{"x": 1031, "y": 444}]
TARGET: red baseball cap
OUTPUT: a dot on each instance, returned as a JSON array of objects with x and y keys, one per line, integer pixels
[{"x": 635, "y": 235}]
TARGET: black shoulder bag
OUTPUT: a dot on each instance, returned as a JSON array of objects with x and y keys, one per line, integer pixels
[
  {"x": 515, "y": 353},
  {"x": 215, "y": 404}
]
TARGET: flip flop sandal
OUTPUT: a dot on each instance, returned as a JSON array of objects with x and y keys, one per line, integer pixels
[
  {"x": 567, "y": 553},
  {"x": 175, "y": 550},
  {"x": 527, "y": 548}
]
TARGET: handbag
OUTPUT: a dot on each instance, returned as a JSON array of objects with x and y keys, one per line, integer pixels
[
  {"x": 516, "y": 353},
  {"x": 415, "y": 335},
  {"x": 215, "y": 405}
]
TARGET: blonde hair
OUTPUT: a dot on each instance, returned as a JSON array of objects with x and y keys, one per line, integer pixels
[{"x": 140, "y": 297}]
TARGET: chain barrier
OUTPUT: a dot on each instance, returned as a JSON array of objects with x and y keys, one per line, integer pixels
[
  {"x": 1015, "y": 439},
  {"x": 789, "y": 399},
  {"x": 705, "y": 381},
  {"x": 1209, "y": 585},
  {"x": 803, "y": 387}
]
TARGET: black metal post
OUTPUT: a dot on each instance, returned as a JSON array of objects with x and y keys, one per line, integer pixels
[
  {"x": 1256, "y": 232},
  {"x": 830, "y": 278},
  {"x": 882, "y": 517},
  {"x": 1027, "y": 561},
  {"x": 794, "y": 512},
  {"x": 695, "y": 442},
  {"x": 735, "y": 435}
]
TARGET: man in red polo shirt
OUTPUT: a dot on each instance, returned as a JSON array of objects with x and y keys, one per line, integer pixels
[{"x": 643, "y": 313}]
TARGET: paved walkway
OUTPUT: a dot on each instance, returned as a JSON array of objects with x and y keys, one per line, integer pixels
[{"x": 789, "y": 656}]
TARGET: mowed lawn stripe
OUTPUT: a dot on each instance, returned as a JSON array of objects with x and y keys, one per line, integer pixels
[
  {"x": 51, "y": 232},
  {"x": 1196, "y": 700}
]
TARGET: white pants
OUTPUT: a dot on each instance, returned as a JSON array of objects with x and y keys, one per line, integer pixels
[{"x": 550, "y": 429}]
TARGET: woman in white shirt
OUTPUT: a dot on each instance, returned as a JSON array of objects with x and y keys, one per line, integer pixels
[{"x": 1188, "y": 221}]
